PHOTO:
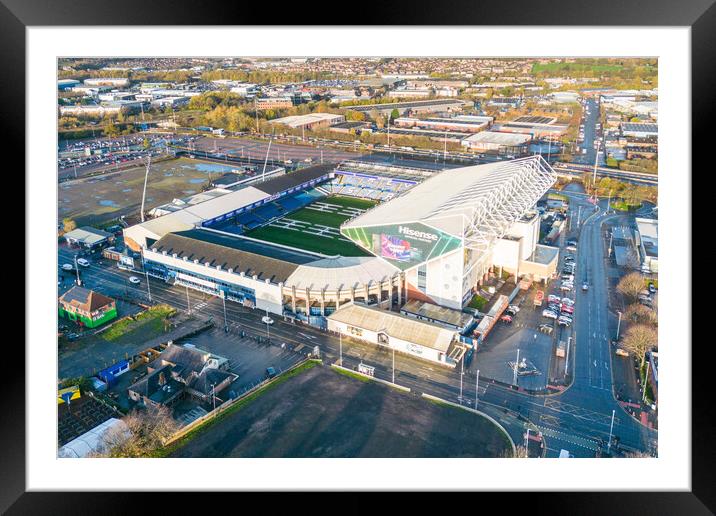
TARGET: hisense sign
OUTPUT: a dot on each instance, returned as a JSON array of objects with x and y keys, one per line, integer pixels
[{"x": 420, "y": 235}]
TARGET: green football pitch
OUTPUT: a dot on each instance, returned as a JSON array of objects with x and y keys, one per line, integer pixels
[{"x": 315, "y": 227}]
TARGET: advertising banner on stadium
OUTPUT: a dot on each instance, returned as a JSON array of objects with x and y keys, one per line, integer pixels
[{"x": 403, "y": 245}]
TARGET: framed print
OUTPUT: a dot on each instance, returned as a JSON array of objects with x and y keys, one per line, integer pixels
[{"x": 415, "y": 255}]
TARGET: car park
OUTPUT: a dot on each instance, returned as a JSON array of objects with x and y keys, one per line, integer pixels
[
  {"x": 135, "y": 280},
  {"x": 546, "y": 328},
  {"x": 563, "y": 322}
]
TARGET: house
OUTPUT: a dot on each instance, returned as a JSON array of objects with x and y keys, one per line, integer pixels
[
  {"x": 87, "y": 307},
  {"x": 182, "y": 370}
]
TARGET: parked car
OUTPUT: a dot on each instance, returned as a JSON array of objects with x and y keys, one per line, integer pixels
[
  {"x": 510, "y": 312},
  {"x": 270, "y": 372},
  {"x": 549, "y": 314},
  {"x": 135, "y": 280},
  {"x": 566, "y": 288},
  {"x": 514, "y": 308},
  {"x": 585, "y": 287},
  {"x": 266, "y": 320},
  {"x": 546, "y": 328},
  {"x": 553, "y": 299},
  {"x": 621, "y": 352},
  {"x": 652, "y": 288},
  {"x": 567, "y": 309},
  {"x": 571, "y": 248},
  {"x": 567, "y": 301},
  {"x": 506, "y": 319}
]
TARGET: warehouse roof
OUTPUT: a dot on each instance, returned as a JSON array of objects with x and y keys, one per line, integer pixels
[
  {"x": 642, "y": 128},
  {"x": 299, "y": 120},
  {"x": 493, "y": 137},
  {"x": 239, "y": 261},
  {"x": 287, "y": 181},
  {"x": 395, "y": 325},
  {"x": 87, "y": 235},
  {"x": 413, "y": 104},
  {"x": 437, "y": 313}
]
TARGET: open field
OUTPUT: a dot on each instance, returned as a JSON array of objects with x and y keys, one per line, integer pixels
[
  {"x": 315, "y": 227},
  {"x": 97, "y": 199},
  {"x": 321, "y": 413}
]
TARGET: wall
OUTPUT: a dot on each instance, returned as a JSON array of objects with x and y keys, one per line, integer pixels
[{"x": 393, "y": 343}]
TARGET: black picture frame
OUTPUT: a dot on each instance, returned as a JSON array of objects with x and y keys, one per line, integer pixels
[{"x": 700, "y": 15}]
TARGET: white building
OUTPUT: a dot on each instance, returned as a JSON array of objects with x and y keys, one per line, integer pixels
[
  {"x": 495, "y": 141},
  {"x": 648, "y": 244}
]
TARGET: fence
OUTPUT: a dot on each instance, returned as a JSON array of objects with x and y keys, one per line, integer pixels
[{"x": 386, "y": 382}]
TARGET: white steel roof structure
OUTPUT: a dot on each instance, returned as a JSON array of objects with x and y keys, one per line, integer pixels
[{"x": 478, "y": 203}]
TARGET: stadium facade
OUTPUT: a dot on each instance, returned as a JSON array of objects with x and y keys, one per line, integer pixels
[
  {"x": 446, "y": 233},
  {"x": 433, "y": 237}
]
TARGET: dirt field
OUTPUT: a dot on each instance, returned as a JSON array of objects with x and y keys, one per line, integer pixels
[
  {"x": 97, "y": 199},
  {"x": 322, "y": 413}
]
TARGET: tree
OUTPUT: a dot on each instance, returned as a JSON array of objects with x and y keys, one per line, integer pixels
[
  {"x": 68, "y": 225},
  {"x": 641, "y": 314},
  {"x": 147, "y": 429},
  {"x": 394, "y": 114},
  {"x": 640, "y": 338},
  {"x": 111, "y": 130},
  {"x": 631, "y": 285}
]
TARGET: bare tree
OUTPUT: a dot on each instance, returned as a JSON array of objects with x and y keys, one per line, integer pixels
[
  {"x": 639, "y": 339},
  {"x": 630, "y": 286},
  {"x": 638, "y": 313},
  {"x": 145, "y": 432}
]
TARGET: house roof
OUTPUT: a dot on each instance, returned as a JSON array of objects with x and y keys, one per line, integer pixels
[{"x": 85, "y": 299}]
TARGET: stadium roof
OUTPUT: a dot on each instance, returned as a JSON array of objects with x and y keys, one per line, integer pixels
[
  {"x": 341, "y": 272},
  {"x": 479, "y": 203},
  {"x": 195, "y": 214},
  {"x": 239, "y": 261},
  {"x": 287, "y": 181},
  {"x": 395, "y": 325}
]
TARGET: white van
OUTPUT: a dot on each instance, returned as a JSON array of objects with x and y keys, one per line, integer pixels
[{"x": 83, "y": 262}]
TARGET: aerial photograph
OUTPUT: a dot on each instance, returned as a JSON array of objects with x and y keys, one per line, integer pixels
[{"x": 357, "y": 257}]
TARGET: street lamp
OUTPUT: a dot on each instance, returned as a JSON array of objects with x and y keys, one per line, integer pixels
[
  {"x": 268, "y": 332},
  {"x": 566, "y": 361},
  {"x": 619, "y": 322},
  {"x": 477, "y": 383},
  {"x": 462, "y": 373},
  {"x": 77, "y": 270},
  {"x": 146, "y": 275},
  {"x": 340, "y": 346},
  {"x": 393, "y": 365},
  {"x": 188, "y": 303},
  {"x": 611, "y": 427},
  {"x": 517, "y": 364},
  {"x": 223, "y": 301}
]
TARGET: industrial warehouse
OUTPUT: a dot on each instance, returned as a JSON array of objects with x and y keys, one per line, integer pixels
[{"x": 338, "y": 246}]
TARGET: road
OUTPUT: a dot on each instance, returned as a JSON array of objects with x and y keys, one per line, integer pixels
[{"x": 577, "y": 419}]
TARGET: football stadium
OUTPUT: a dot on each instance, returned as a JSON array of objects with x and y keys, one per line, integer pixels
[{"x": 345, "y": 246}]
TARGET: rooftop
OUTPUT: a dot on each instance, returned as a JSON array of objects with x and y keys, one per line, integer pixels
[
  {"x": 85, "y": 299},
  {"x": 395, "y": 325},
  {"x": 87, "y": 235},
  {"x": 438, "y": 313},
  {"x": 493, "y": 137},
  {"x": 205, "y": 251}
]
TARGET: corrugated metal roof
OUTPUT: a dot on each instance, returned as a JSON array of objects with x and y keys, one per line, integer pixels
[{"x": 395, "y": 325}]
